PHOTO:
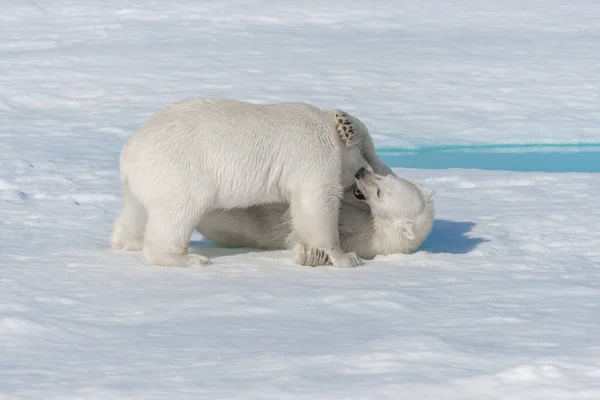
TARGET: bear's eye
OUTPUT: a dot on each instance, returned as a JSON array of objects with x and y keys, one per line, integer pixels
[{"x": 378, "y": 193}]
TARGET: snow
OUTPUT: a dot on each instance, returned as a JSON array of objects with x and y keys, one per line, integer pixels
[
  {"x": 502, "y": 301},
  {"x": 418, "y": 72}
]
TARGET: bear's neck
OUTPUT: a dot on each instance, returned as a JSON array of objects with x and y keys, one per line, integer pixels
[{"x": 388, "y": 238}]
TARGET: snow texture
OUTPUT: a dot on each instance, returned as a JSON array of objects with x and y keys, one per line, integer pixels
[{"x": 503, "y": 301}]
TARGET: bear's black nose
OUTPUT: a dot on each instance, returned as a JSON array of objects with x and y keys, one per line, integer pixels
[{"x": 360, "y": 173}]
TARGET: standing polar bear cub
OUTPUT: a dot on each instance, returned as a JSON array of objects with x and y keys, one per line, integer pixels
[
  {"x": 199, "y": 155},
  {"x": 382, "y": 214}
]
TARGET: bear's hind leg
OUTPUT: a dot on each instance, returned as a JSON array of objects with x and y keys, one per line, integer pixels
[
  {"x": 168, "y": 233},
  {"x": 315, "y": 218},
  {"x": 345, "y": 129},
  {"x": 351, "y": 136},
  {"x": 128, "y": 230}
]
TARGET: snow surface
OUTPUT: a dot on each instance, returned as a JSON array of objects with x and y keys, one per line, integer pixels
[{"x": 503, "y": 301}]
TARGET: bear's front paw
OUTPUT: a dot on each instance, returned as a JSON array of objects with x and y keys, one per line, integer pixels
[
  {"x": 310, "y": 257},
  {"x": 316, "y": 257},
  {"x": 299, "y": 253},
  {"x": 175, "y": 260},
  {"x": 197, "y": 260},
  {"x": 346, "y": 129},
  {"x": 345, "y": 260}
]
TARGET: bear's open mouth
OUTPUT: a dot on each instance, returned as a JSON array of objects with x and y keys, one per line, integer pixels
[{"x": 358, "y": 194}]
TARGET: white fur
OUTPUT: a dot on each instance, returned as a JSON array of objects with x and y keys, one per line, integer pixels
[
  {"x": 397, "y": 220},
  {"x": 396, "y": 215},
  {"x": 199, "y": 155}
]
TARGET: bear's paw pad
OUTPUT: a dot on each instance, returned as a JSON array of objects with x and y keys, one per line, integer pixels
[{"x": 346, "y": 129}]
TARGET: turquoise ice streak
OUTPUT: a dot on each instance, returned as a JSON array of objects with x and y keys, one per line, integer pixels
[{"x": 580, "y": 157}]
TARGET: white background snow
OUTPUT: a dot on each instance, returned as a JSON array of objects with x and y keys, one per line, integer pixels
[{"x": 503, "y": 301}]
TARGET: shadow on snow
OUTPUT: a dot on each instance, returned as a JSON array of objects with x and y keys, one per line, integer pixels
[
  {"x": 445, "y": 237},
  {"x": 451, "y": 237}
]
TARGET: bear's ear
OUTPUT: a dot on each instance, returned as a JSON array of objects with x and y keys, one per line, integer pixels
[{"x": 406, "y": 227}]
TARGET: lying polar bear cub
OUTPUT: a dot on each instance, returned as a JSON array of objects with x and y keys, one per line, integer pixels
[
  {"x": 199, "y": 155},
  {"x": 382, "y": 214}
]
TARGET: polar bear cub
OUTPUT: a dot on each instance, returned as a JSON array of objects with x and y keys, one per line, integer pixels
[
  {"x": 199, "y": 155},
  {"x": 382, "y": 214}
]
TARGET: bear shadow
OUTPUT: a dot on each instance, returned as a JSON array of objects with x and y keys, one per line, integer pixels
[
  {"x": 211, "y": 250},
  {"x": 451, "y": 237},
  {"x": 445, "y": 237}
]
